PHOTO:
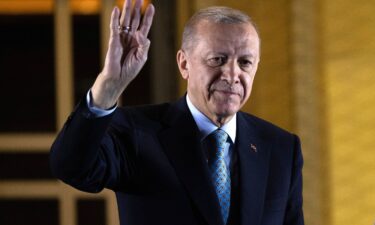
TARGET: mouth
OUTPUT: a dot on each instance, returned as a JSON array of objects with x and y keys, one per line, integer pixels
[{"x": 227, "y": 92}]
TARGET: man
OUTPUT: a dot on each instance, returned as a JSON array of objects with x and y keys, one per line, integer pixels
[{"x": 195, "y": 161}]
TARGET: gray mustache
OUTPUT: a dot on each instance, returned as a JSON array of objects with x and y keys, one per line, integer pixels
[{"x": 226, "y": 87}]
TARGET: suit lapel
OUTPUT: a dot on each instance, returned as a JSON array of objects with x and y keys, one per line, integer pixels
[
  {"x": 253, "y": 157},
  {"x": 182, "y": 146}
]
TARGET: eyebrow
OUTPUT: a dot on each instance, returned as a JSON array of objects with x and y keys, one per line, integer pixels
[
  {"x": 216, "y": 53},
  {"x": 247, "y": 56},
  {"x": 250, "y": 55}
]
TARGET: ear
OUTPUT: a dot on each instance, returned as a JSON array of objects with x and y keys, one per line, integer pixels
[{"x": 182, "y": 64}]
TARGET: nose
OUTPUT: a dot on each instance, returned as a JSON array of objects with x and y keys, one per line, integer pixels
[{"x": 231, "y": 72}]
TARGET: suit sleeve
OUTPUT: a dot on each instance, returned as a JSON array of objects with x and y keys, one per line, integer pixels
[
  {"x": 294, "y": 212},
  {"x": 86, "y": 153}
]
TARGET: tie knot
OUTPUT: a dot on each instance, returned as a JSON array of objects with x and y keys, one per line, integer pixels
[{"x": 220, "y": 136}]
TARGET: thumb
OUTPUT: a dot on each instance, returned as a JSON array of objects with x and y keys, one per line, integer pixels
[{"x": 142, "y": 50}]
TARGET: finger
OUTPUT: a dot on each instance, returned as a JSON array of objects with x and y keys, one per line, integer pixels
[
  {"x": 114, "y": 40},
  {"x": 126, "y": 13},
  {"x": 147, "y": 20},
  {"x": 136, "y": 15},
  {"x": 114, "y": 23},
  {"x": 114, "y": 44}
]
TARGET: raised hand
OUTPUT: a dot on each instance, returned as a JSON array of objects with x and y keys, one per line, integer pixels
[{"x": 127, "y": 52}]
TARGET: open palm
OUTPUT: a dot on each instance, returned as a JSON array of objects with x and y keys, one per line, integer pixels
[{"x": 126, "y": 55}]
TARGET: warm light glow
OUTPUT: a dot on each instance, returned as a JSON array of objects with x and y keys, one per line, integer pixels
[
  {"x": 46, "y": 6},
  {"x": 26, "y": 6},
  {"x": 85, "y": 6}
]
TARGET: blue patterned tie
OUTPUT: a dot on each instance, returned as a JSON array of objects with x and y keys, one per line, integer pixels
[{"x": 219, "y": 172}]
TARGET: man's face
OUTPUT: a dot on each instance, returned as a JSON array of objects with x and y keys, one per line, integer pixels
[{"x": 220, "y": 67}]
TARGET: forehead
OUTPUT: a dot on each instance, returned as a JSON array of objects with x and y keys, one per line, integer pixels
[{"x": 240, "y": 37}]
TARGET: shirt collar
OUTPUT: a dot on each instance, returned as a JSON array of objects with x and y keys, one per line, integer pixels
[{"x": 206, "y": 126}]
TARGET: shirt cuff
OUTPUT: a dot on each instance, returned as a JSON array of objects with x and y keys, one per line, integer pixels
[{"x": 97, "y": 112}]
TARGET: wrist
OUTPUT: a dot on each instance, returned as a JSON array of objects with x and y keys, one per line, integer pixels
[{"x": 103, "y": 98}]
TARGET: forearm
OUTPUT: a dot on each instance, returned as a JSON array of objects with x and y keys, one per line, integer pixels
[{"x": 76, "y": 149}]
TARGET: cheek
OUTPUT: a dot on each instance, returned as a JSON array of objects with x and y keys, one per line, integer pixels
[
  {"x": 206, "y": 79},
  {"x": 247, "y": 83},
  {"x": 199, "y": 82},
  {"x": 202, "y": 77}
]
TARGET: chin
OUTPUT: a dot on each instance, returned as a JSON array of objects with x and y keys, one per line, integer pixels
[
  {"x": 226, "y": 111},
  {"x": 224, "y": 107}
]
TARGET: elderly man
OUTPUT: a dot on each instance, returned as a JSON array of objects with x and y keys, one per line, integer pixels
[{"x": 195, "y": 161}]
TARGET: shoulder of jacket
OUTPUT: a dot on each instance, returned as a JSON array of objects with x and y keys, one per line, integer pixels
[{"x": 263, "y": 125}]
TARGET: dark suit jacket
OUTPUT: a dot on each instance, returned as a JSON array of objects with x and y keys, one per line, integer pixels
[{"x": 151, "y": 157}]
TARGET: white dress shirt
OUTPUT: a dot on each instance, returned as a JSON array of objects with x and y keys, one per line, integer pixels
[{"x": 206, "y": 126}]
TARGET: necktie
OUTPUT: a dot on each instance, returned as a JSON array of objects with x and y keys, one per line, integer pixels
[{"x": 219, "y": 172}]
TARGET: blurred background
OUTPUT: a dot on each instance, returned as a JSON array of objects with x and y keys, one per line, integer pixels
[{"x": 316, "y": 78}]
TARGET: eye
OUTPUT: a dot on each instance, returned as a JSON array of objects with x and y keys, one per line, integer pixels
[
  {"x": 245, "y": 63},
  {"x": 216, "y": 61}
]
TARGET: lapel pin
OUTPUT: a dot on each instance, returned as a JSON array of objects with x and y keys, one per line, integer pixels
[{"x": 253, "y": 147}]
